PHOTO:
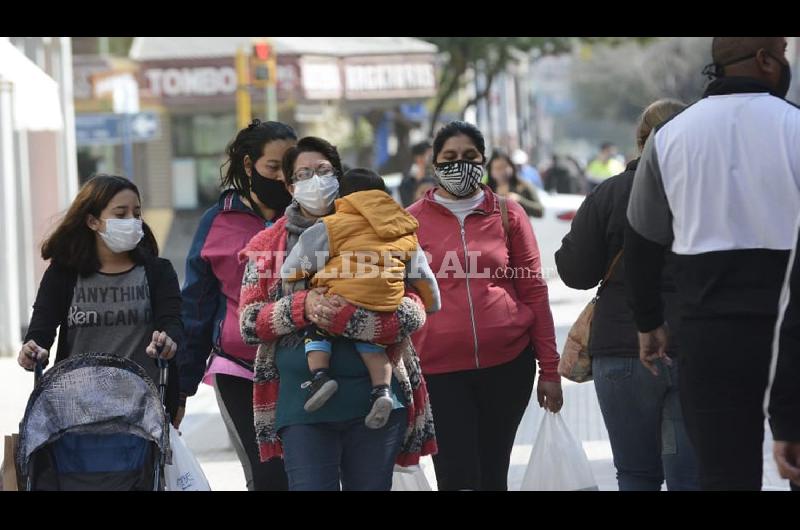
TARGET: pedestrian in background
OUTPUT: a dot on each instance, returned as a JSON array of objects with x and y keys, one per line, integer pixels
[
  {"x": 419, "y": 171},
  {"x": 641, "y": 411},
  {"x": 604, "y": 166},
  {"x": 503, "y": 180}
]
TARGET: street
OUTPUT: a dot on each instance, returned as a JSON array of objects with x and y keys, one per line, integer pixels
[{"x": 206, "y": 436}]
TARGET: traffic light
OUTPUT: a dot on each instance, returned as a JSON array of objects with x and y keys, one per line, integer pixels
[{"x": 262, "y": 63}]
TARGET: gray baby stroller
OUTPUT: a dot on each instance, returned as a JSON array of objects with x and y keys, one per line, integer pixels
[{"x": 95, "y": 422}]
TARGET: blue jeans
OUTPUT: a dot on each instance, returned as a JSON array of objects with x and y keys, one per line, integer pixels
[
  {"x": 642, "y": 413},
  {"x": 319, "y": 456}
]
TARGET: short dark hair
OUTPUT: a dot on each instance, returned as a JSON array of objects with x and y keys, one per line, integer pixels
[
  {"x": 361, "y": 179},
  {"x": 606, "y": 145},
  {"x": 729, "y": 50},
  {"x": 454, "y": 128},
  {"x": 250, "y": 141},
  {"x": 311, "y": 144},
  {"x": 420, "y": 148}
]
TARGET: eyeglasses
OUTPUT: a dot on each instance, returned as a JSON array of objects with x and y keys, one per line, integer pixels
[{"x": 305, "y": 173}]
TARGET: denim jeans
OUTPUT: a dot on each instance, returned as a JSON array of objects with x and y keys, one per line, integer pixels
[
  {"x": 642, "y": 413},
  {"x": 320, "y": 456}
]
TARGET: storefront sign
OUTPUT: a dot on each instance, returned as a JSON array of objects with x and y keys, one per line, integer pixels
[
  {"x": 192, "y": 81},
  {"x": 206, "y": 81},
  {"x": 390, "y": 80},
  {"x": 321, "y": 79}
]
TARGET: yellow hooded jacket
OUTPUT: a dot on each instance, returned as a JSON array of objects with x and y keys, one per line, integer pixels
[{"x": 370, "y": 236}]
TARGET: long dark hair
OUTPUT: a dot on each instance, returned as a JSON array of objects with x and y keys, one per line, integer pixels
[
  {"x": 250, "y": 141},
  {"x": 74, "y": 245},
  {"x": 513, "y": 181}
]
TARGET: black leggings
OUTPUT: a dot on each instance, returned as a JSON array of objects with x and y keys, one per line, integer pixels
[
  {"x": 235, "y": 399},
  {"x": 476, "y": 414}
]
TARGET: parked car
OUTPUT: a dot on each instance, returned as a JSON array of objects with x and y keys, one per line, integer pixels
[{"x": 559, "y": 210}]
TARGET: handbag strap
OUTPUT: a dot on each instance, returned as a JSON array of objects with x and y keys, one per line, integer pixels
[
  {"x": 609, "y": 273},
  {"x": 504, "y": 218},
  {"x": 241, "y": 362}
]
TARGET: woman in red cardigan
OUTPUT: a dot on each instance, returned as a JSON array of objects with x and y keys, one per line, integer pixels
[
  {"x": 330, "y": 447},
  {"x": 478, "y": 352}
]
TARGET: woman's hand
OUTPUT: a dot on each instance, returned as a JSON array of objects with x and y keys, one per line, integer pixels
[
  {"x": 787, "y": 456},
  {"x": 653, "y": 346},
  {"x": 312, "y": 301},
  {"x": 549, "y": 395},
  {"x": 30, "y": 354},
  {"x": 176, "y": 421},
  {"x": 161, "y": 341},
  {"x": 321, "y": 309}
]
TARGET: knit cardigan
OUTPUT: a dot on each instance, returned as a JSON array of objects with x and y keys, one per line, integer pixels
[{"x": 265, "y": 317}]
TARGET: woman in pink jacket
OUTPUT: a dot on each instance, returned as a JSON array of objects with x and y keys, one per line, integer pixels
[{"x": 478, "y": 352}]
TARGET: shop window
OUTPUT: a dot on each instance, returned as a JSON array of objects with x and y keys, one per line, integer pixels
[
  {"x": 202, "y": 134},
  {"x": 208, "y": 179},
  {"x": 203, "y": 138}
]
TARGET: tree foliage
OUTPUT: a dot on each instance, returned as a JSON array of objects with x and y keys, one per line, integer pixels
[
  {"x": 618, "y": 83},
  {"x": 492, "y": 55}
]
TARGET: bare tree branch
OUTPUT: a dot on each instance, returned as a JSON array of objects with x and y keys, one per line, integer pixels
[{"x": 498, "y": 67}]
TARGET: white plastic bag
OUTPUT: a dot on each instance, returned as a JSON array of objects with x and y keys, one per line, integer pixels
[
  {"x": 185, "y": 473},
  {"x": 557, "y": 461},
  {"x": 410, "y": 478}
]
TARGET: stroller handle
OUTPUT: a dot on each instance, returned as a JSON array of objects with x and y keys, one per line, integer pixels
[
  {"x": 163, "y": 373},
  {"x": 38, "y": 370},
  {"x": 163, "y": 368}
]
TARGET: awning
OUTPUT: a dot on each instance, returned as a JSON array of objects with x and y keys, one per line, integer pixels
[{"x": 35, "y": 94}]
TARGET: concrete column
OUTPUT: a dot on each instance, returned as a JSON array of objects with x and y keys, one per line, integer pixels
[{"x": 9, "y": 239}]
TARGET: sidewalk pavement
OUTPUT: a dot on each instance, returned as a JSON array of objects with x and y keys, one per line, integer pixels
[{"x": 205, "y": 432}]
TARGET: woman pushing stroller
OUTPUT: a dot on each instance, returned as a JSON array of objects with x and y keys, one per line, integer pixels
[{"x": 106, "y": 288}]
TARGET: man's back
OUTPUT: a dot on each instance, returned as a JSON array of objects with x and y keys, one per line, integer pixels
[
  {"x": 720, "y": 184},
  {"x": 730, "y": 166}
]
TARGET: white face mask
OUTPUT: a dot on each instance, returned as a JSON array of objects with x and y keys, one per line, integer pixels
[
  {"x": 122, "y": 235},
  {"x": 317, "y": 194}
]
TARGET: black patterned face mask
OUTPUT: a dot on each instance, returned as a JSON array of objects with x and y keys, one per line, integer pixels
[{"x": 459, "y": 178}]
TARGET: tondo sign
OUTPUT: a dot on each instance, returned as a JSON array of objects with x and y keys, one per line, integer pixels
[{"x": 191, "y": 81}]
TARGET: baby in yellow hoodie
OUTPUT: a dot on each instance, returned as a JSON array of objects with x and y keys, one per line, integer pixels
[{"x": 364, "y": 252}]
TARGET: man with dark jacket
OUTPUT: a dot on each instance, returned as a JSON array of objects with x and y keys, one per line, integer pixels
[
  {"x": 421, "y": 168},
  {"x": 783, "y": 395},
  {"x": 563, "y": 176},
  {"x": 719, "y": 184}
]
